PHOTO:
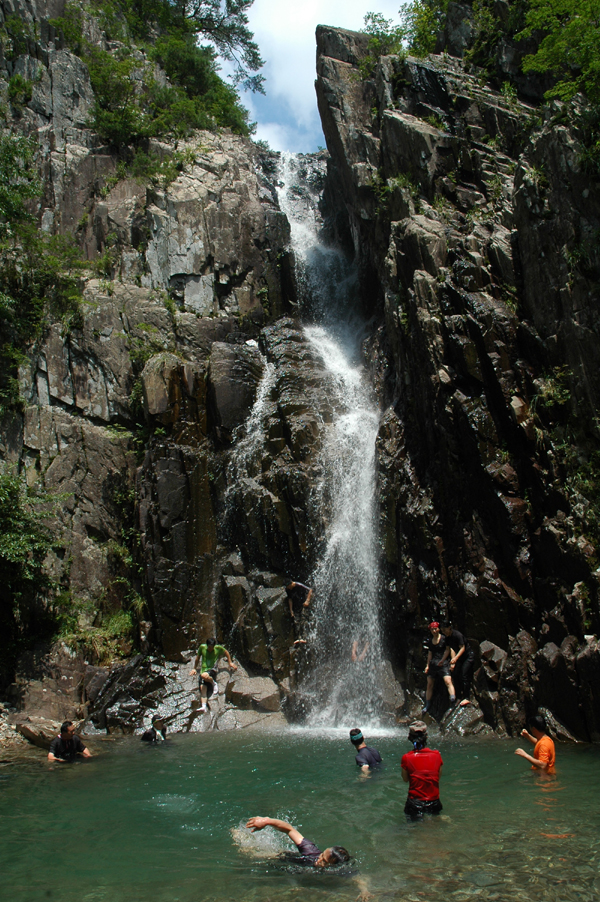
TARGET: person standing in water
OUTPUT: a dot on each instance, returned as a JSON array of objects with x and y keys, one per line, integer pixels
[
  {"x": 421, "y": 769},
  {"x": 366, "y": 757},
  {"x": 462, "y": 660},
  {"x": 544, "y": 753},
  {"x": 209, "y": 653},
  {"x": 437, "y": 665},
  {"x": 67, "y": 746}
]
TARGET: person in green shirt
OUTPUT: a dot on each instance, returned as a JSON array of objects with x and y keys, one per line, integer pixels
[{"x": 209, "y": 653}]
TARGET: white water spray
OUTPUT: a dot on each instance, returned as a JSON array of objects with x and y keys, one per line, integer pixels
[{"x": 344, "y": 640}]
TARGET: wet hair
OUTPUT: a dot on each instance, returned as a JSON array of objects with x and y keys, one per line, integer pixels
[
  {"x": 417, "y": 734},
  {"x": 445, "y": 625},
  {"x": 338, "y": 855},
  {"x": 538, "y": 723},
  {"x": 64, "y": 727},
  {"x": 212, "y": 641},
  {"x": 356, "y": 736}
]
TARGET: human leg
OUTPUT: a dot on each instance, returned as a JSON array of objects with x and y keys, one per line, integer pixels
[
  {"x": 428, "y": 692},
  {"x": 466, "y": 680},
  {"x": 450, "y": 687}
]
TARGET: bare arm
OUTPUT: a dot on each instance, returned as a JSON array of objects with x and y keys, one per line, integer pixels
[
  {"x": 528, "y": 736},
  {"x": 51, "y": 757},
  {"x": 363, "y": 889},
  {"x": 542, "y": 765},
  {"x": 232, "y": 666},
  {"x": 428, "y": 661},
  {"x": 455, "y": 657},
  {"x": 445, "y": 655},
  {"x": 308, "y": 598},
  {"x": 404, "y": 774},
  {"x": 259, "y": 823},
  {"x": 197, "y": 662}
]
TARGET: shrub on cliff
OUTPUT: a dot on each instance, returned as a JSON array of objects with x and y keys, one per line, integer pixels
[
  {"x": 132, "y": 104},
  {"x": 25, "y": 541},
  {"x": 39, "y": 273}
]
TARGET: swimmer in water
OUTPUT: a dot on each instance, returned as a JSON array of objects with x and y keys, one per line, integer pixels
[{"x": 310, "y": 854}]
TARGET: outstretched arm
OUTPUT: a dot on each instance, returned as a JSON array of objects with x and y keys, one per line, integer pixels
[
  {"x": 528, "y": 736},
  {"x": 542, "y": 765},
  {"x": 363, "y": 889},
  {"x": 259, "y": 823}
]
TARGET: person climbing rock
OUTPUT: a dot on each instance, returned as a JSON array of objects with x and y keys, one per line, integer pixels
[
  {"x": 209, "y": 653},
  {"x": 367, "y": 757},
  {"x": 544, "y": 753},
  {"x": 421, "y": 769},
  {"x": 299, "y": 599},
  {"x": 437, "y": 664},
  {"x": 462, "y": 660},
  {"x": 67, "y": 746}
]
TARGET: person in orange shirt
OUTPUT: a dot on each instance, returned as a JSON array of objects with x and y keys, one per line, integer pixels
[{"x": 544, "y": 756}]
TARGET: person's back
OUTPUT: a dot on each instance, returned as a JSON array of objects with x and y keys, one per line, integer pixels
[
  {"x": 423, "y": 768},
  {"x": 544, "y": 751},
  {"x": 368, "y": 756}
]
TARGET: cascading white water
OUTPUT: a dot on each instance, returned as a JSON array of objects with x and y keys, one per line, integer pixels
[
  {"x": 344, "y": 638},
  {"x": 245, "y": 460}
]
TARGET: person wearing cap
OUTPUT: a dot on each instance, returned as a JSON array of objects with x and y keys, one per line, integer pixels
[
  {"x": 544, "y": 754},
  {"x": 462, "y": 660},
  {"x": 366, "y": 757},
  {"x": 157, "y": 732},
  {"x": 421, "y": 769},
  {"x": 438, "y": 664},
  {"x": 209, "y": 653}
]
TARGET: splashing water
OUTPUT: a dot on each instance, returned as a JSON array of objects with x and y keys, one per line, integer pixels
[{"x": 340, "y": 682}]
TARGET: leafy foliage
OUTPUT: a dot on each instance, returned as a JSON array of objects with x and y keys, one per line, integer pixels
[
  {"x": 39, "y": 273},
  {"x": 569, "y": 48},
  {"x": 422, "y": 20},
  {"x": 131, "y": 105},
  {"x": 25, "y": 541},
  {"x": 384, "y": 38}
]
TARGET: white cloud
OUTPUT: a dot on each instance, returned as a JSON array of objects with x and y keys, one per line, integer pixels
[{"x": 285, "y": 33}]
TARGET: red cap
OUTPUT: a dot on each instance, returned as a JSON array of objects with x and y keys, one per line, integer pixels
[{"x": 434, "y": 625}]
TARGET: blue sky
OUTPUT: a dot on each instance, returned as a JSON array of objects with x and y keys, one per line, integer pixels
[{"x": 287, "y": 116}]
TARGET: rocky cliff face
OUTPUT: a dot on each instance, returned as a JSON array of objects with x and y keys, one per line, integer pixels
[
  {"x": 470, "y": 217},
  {"x": 180, "y": 421}
]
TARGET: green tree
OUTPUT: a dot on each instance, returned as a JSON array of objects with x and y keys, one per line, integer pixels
[
  {"x": 422, "y": 20},
  {"x": 25, "y": 613},
  {"x": 570, "y": 46}
]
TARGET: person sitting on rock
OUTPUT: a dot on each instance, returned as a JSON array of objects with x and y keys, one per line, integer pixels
[
  {"x": 209, "y": 653},
  {"x": 366, "y": 757},
  {"x": 157, "y": 732},
  {"x": 67, "y": 746},
  {"x": 462, "y": 660},
  {"x": 437, "y": 665},
  {"x": 544, "y": 753},
  {"x": 421, "y": 769}
]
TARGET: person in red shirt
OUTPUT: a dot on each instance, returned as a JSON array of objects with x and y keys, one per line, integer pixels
[
  {"x": 544, "y": 755},
  {"x": 421, "y": 769}
]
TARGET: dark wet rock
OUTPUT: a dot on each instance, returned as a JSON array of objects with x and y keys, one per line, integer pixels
[
  {"x": 255, "y": 693},
  {"x": 466, "y": 721}
]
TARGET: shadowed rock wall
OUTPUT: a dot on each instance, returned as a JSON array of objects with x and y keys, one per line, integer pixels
[{"x": 463, "y": 211}]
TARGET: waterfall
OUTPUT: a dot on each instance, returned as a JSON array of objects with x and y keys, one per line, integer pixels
[{"x": 344, "y": 622}]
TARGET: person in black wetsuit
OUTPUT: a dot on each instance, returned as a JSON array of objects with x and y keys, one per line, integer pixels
[
  {"x": 157, "y": 731},
  {"x": 67, "y": 746},
  {"x": 366, "y": 757},
  {"x": 438, "y": 665},
  {"x": 462, "y": 660}
]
